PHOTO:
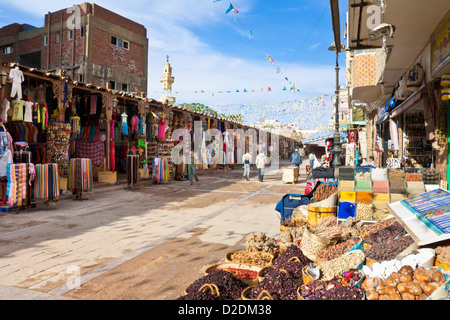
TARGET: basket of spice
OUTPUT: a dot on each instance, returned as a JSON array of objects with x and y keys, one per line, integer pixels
[
  {"x": 218, "y": 285},
  {"x": 247, "y": 273},
  {"x": 278, "y": 286},
  {"x": 255, "y": 258}
]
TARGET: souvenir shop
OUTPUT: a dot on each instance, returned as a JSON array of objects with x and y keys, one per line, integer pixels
[{"x": 34, "y": 143}]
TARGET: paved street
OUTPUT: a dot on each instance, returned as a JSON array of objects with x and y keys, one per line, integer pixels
[{"x": 147, "y": 243}]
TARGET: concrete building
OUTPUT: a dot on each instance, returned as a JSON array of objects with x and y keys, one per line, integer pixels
[{"x": 88, "y": 42}]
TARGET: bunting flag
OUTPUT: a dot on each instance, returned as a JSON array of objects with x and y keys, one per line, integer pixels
[{"x": 308, "y": 113}]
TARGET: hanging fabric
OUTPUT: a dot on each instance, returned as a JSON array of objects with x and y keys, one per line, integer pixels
[
  {"x": 46, "y": 182},
  {"x": 80, "y": 175}
]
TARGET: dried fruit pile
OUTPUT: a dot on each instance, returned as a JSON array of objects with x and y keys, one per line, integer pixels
[
  {"x": 330, "y": 290},
  {"x": 229, "y": 287},
  {"x": 279, "y": 285}
]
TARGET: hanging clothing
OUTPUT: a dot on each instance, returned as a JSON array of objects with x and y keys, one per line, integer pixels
[
  {"x": 80, "y": 175},
  {"x": 28, "y": 116},
  {"x": 162, "y": 129},
  {"x": 46, "y": 185},
  {"x": 93, "y": 106},
  {"x": 36, "y": 114},
  {"x": 134, "y": 124},
  {"x": 17, "y": 77},
  {"x": 124, "y": 124},
  {"x": 17, "y": 106},
  {"x": 6, "y": 105},
  {"x": 44, "y": 117}
]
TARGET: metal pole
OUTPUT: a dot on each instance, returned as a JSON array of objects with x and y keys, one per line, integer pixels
[{"x": 337, "y": 140}]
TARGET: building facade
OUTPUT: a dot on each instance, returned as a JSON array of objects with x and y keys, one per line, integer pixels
[
  {"x": 397, "y": 69},
  {"x": 87, "y": 42}
]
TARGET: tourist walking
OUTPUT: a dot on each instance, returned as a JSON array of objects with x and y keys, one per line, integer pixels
[
  {"x": 192, "y": 168},
  {"x": 296, "y": 159},
  {"x": 246, "y": 161},
  {"x": 261, "y": 161}
]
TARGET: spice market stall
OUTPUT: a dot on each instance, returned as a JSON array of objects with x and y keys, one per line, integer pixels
[{"x": 331, "y": 258}]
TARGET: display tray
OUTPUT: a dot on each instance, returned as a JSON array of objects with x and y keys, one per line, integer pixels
[{"x": 425, "y": 216}]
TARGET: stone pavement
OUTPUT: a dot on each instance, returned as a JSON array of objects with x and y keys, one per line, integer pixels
[{"x": 148, "y": 243}]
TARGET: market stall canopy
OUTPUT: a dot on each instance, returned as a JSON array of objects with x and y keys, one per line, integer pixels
[{"x": 322, "y": 135}]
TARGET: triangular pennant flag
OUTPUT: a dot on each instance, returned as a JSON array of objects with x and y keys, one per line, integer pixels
[
  {"x": 284, "y": 89},
  {"x": 245, "y": 90},
  {"x": 269, "y": 89}
]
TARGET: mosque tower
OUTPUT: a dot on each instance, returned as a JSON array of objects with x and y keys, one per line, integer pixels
[{"x": 167, "y": 80}]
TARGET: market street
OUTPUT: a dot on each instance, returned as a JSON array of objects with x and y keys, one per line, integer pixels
[{"x": 146, "y": 243}]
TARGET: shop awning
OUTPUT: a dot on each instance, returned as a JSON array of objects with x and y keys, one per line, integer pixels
[{"x": 322, "y": 135}]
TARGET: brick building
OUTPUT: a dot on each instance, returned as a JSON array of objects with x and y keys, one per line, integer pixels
[{"x": 90, "y": 43}]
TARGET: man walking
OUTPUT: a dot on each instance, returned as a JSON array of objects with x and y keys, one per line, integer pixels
[
  {"x": 191, "y": 168},
  {"x": 246, "y": 160},
  {"x": 261, "y": 161},
  {"x": 296, "y": 159}
]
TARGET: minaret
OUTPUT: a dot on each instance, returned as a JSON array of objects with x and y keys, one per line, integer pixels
[{"x": 167, "y": 81}]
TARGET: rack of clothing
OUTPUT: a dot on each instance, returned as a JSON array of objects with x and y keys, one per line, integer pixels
[
  {"x": 132, "y": 171},
  {"x": 80, "y": 177},
  {"x": 46, "y": 182},
  {"x": 161, "y": 170}
]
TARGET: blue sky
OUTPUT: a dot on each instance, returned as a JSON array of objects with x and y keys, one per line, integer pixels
[{"x": 211, "y": 51}]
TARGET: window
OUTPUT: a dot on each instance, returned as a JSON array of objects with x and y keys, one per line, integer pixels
[
  {"x": 58, "y": 37},
  {"x": 81, "y": 32},
  {"x": 120, "y": 43},
  {"x": 69, "y": 34},
  {"x": 119, "y": 86},
  {"x": 45, "y": 40},
  {"x": 8, "y": 50}
]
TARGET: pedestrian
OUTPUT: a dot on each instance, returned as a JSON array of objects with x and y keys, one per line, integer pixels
[
  {"x": 261, "y": 161},
  {"x": 191, "y": 168},
  {"x": 246, "y": 161},
  {"x": 311, "y": 161},
  {"x": 296, "y": 159},
  {"x": 372, "y": 162}
]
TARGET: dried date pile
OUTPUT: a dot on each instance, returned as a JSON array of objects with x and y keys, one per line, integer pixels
[
  {"x": 388, "y": 249},
  {"x": 387, "y": 243},
  {"x": 383, "y": 235},
  {"x": 229, "y": 286},
  {"x": 337, "y": 250},
  {"x": 280, "y": 286}
]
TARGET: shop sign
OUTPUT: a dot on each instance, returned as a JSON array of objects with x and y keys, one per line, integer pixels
[{"x": 440, "y": 45}]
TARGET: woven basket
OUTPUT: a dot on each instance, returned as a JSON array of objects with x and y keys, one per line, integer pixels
[
  {"x": 226, "y": 265},
  {"x": 251, "y": 254},
  {"x": 312, "y": 244}
]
